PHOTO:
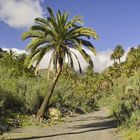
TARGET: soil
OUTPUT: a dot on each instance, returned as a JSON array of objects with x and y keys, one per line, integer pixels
[{"x": 92, "y": 126}]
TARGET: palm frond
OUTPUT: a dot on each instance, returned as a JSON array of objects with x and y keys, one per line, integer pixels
[
  {"x": 87, "y": 44},
  {"x": 51, "y": 12},
  {"x": 74, "y": 21},
  {"x": 85, "y": 55},
  {"x": 35, "y": 42},
  {"x": 80, "y": 69},
  {"x": 38, "y": 28},
  {"x": 58, "y": 34},
  {"x": 32, "y": 34}
]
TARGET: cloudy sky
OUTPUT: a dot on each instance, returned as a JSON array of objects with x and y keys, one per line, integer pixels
[{"x": 115, "y": 21}]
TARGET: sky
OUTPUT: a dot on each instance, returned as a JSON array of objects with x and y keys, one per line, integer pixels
[{"x": 115, "y": 21}]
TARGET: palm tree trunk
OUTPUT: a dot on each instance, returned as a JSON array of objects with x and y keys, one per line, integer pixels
[
  {"x": 48, "y": 71},
  {"x": 36, "y": 70},
  {"x": 48, "y": 74},
  {"x": 48, "y": 96},
  {"x": 119, "y": 60}
]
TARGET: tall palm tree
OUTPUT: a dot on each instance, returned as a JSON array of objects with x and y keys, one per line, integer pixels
[
  {"x": 59, "y": 36},
  {"x": 119, "y": 52}
]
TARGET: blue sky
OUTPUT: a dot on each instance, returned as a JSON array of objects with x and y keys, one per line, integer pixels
[{"x": 115, "y": 21}]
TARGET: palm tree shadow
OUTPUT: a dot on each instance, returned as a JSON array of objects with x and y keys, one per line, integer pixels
[
  {"x": 91, "y": 118},
  {"x": 105, "y": 124}
]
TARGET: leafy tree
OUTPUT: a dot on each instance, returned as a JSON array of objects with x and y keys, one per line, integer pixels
[{"x": 60, "y": 36}]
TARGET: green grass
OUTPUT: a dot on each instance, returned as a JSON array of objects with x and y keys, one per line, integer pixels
[{"x": 131, "y": 134}]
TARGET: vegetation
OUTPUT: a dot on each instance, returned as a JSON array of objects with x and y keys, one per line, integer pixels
[
  {"x": 124, "y": 97},
  {"x": 22, "y": 92}
]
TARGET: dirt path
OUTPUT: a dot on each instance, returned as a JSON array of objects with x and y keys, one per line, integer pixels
[{"x": 92, "y": 126}]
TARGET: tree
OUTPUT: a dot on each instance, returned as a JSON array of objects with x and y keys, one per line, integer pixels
[
  {"x": 133, "y": 59},
  {"x": 117, "y": 53},
  {"x": 112, "y": 57},
  {"x": 9, "y": 58},
  {"x": 59, "y": 36},
  {"x": 1, "y": 52}
]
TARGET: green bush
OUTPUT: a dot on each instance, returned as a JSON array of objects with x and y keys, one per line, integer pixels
[{"x": 25, "y": 94}]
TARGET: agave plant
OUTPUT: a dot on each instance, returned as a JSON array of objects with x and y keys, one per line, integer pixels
[{"x": 58, "y": 35}]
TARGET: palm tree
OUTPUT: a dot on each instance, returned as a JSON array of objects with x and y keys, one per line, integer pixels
[
  {"x": 1, "y": 51},
  {"x": 117, "y": 54},
  {"x": 133, "y": 59},
  {"x": 112, "y": 57},
  {"x": 59, "y": 36},
  {"x": 9, "y": 58}
]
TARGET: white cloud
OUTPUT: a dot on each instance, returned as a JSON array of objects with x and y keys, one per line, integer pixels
[
  {"x": 18, "y": 51},
  {"x": 101, "y": 60},
  {"x": 20, "y": 13}
]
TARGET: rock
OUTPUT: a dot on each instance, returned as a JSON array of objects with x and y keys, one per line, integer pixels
[
  {"x": 33, "y": 116},
  {"x": 54, "y": 113}
]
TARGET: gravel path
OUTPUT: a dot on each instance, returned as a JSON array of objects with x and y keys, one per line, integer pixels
[{"x": 93, "y": 126}]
